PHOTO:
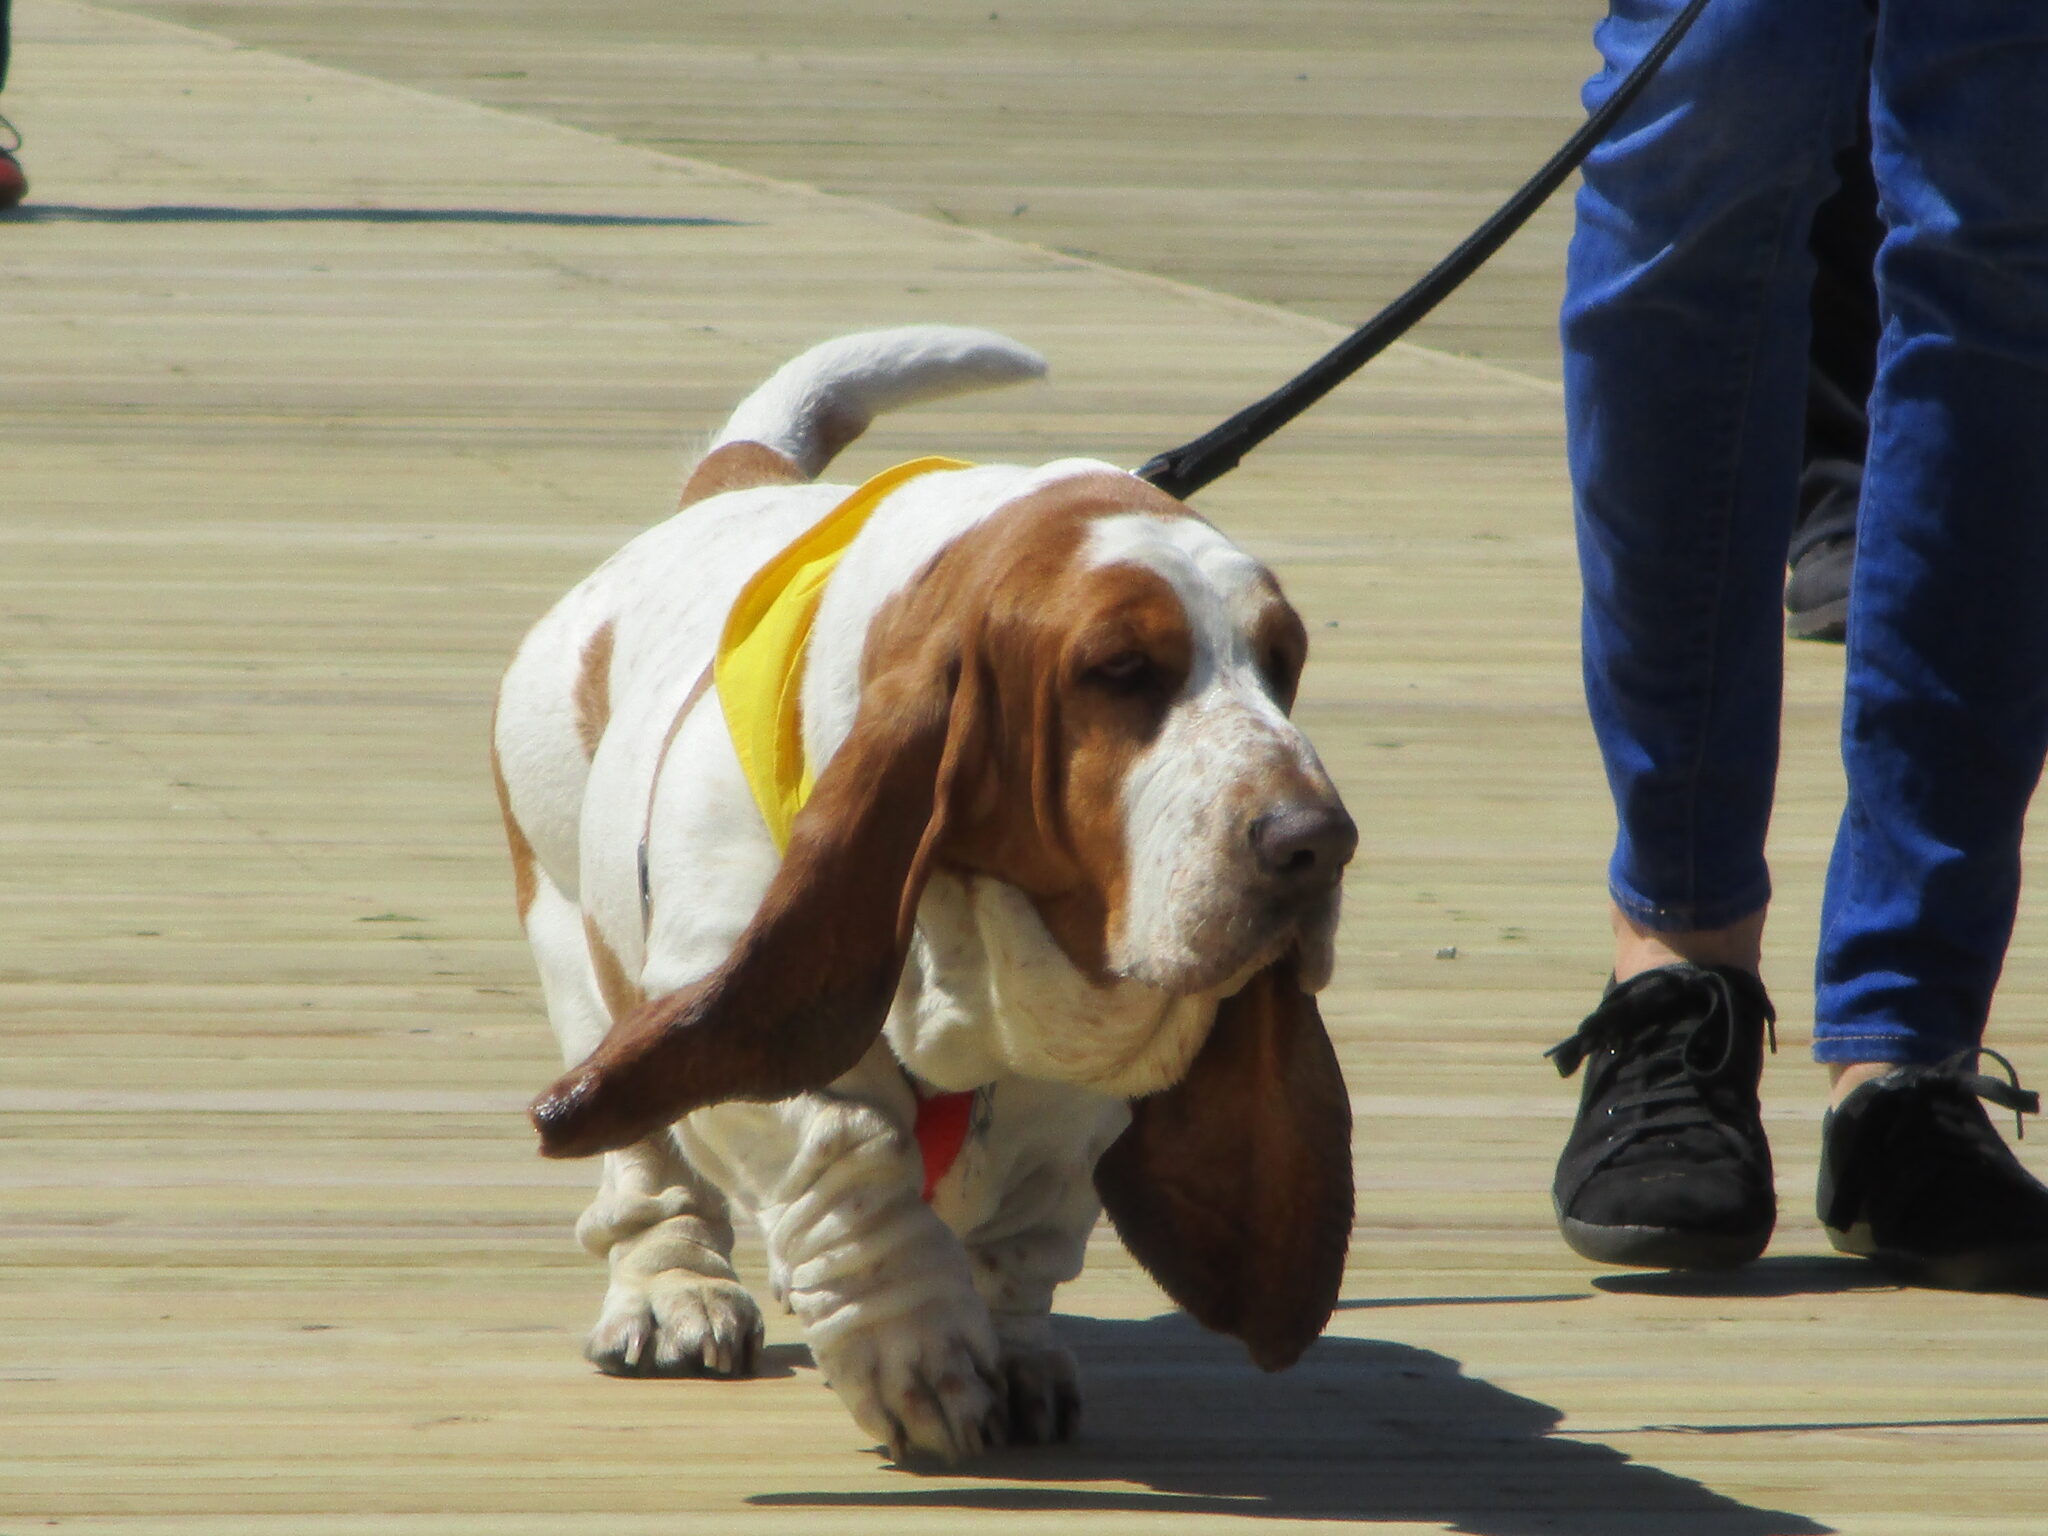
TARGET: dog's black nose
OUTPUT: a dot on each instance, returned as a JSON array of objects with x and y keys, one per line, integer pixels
[{"x": 1305, "y": 845}]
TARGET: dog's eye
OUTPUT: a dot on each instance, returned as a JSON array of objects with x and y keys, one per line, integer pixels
[
  {"x": 1282, "y": 673},
  {"x": 1126, "y": 672}
]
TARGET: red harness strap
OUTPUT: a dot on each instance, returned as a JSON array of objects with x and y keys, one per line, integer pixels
[{"x": 943, "y": 1120}]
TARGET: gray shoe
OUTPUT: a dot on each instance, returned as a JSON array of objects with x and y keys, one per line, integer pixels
[{"x": 1817, "y": 595}]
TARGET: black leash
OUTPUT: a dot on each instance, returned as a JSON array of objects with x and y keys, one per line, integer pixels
[{"x": 1184, "y": 470}]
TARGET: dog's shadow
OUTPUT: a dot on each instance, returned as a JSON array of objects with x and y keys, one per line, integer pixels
[{"x": 1360, "y": 1430}]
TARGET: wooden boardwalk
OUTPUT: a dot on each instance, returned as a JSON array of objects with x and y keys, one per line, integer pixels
[{"x": 317, "y": 385}]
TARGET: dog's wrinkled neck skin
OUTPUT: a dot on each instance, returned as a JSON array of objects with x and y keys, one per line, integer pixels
[{"x": 987, "y": 992}]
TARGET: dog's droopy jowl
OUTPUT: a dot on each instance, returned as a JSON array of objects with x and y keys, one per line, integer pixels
[{"x": 916, "y": 870}]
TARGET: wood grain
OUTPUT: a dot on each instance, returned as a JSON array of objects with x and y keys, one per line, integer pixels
[{"x": 284, "y": 483}]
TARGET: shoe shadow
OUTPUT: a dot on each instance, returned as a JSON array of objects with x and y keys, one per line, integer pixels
[
  {"x": 1792, "y": 1275},
  {"x": 195, "y": 213},
  {"x": 1789, "y": 1276},
  {"x": 1360, "y": 1431}
]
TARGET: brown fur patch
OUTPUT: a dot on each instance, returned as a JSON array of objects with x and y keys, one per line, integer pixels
[
  {"x": 739, "y": 467},
  {"x": 594, "y": 688},
  {"x": 1234, "y": 1188},
  {"x": 525, "y": 868},
  {"x": 1033, "y": 621},
  {"x": 621, "y": 997}
]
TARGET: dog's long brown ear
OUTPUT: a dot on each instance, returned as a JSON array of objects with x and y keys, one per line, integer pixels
[
  {"x": 1233, "y": 1188},
  {"x": 806, "y": 990}
]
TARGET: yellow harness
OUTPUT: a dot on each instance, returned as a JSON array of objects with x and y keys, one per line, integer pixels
[{"x": 760, "y": 660}]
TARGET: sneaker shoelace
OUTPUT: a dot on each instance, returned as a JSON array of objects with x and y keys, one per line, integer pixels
[
  {"x": 1672, "y": 1052},
  {"x": 1959, "y": 1072}
]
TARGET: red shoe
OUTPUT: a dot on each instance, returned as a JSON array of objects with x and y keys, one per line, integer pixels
[{"x": 13, "y": 184}]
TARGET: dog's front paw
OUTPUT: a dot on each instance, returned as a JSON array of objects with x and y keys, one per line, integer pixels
[
  {"x": 676, "y": 1323},
  {"x": 928, "y": 1385},
  {"x": 1042, "y": 1391}
]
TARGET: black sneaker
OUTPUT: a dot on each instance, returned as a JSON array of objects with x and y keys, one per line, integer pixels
[
  {"x": 1667, "y": 1166},
  {"x": 1913, "y": 1175}
]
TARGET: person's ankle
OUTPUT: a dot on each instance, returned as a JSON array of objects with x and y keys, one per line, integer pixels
[
  {"x": 1845, "y": 1077},
  {"x": 1638, "y": 949}
]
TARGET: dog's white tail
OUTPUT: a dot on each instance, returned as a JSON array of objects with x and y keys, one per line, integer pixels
[{"x": 818, "y": 403}]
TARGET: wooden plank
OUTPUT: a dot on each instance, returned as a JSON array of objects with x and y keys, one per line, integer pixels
[
  {"x": 1313, "y": 153},
  {"x": 281, "y": 494}
]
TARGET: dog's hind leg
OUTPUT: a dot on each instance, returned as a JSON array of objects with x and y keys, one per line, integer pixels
[{"x": 674, "y": 1306}]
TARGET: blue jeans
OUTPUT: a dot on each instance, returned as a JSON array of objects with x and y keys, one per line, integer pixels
[{"x": 1685, "y": 342}]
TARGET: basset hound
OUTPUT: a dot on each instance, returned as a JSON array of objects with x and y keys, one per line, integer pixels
[{"x": 990, "y": 891}]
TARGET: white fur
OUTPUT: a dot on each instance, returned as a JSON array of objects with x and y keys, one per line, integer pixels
[
  {"x": 925, "y": 1318},
  {"x": 816, "y": 403},
  {"x": 1187, "y": 857}
]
